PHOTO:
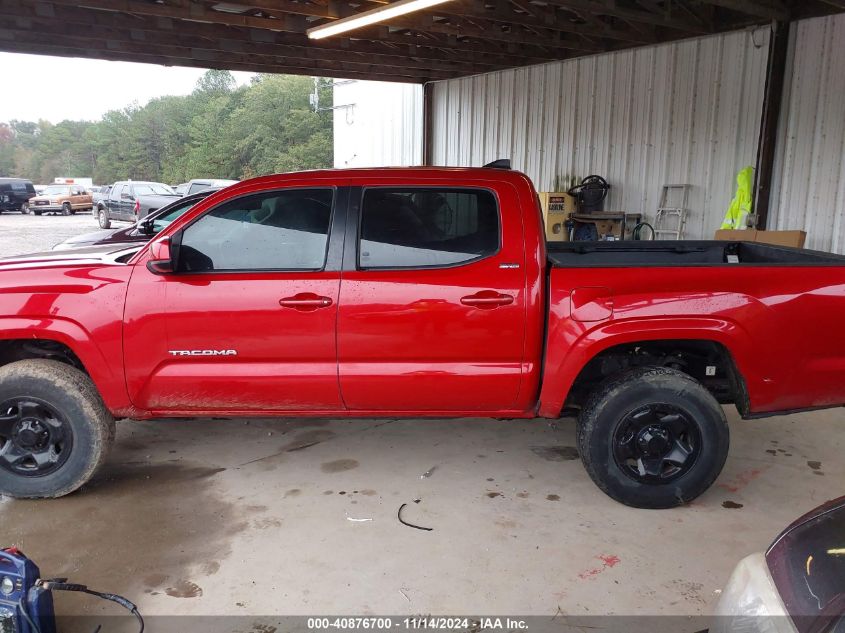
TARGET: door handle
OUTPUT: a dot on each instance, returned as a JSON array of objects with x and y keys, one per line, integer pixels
[
  {"x": 487, "y": 300},
  {"x": 305, "y": 302}
]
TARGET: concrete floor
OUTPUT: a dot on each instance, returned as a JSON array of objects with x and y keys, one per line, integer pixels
[
  {"x": 245, "y": 517},
  {"x": 257, "y": 517}
]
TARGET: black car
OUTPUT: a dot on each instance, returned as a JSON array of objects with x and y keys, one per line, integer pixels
[
  {"x": 142, "y": 231},
  {"x": 15, "y": 194}
]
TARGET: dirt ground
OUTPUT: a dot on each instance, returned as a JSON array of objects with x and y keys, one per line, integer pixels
[
  {"x": 21, "y": 234},
  {"x": 263, "y": 517}
]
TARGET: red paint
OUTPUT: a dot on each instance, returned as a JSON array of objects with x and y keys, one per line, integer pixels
[
  {"x": 607, "y": 561},
  {"x": 741, "y": 480},
  {"x": 403, "y": 343}
]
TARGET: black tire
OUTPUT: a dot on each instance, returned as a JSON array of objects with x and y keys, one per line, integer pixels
[
  {"x": 103, "y": 219},
  {"x": 66, "y": 210},
  {"x": 25, "y": 208},
  {"x": 47, "y": 389},
  {"x": 37, "y": 212},
  {"x": 653, "y": 419}
]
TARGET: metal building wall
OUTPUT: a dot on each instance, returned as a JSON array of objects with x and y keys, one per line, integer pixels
[
  {"x": 377, "y": 124},
  {"x": 809, "y": 187},
  {"x": 678, "y": 113}
]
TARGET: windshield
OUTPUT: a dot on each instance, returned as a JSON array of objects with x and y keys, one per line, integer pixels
[
  {"x": 56, "y": 190},
  {"x": 162, "y": 221},
  {"x": 152, "y": 188}
]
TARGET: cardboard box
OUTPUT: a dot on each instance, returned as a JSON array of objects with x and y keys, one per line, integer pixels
[
  {"x": 795, "y": 239},
  {"x": 556, "y": 208}
]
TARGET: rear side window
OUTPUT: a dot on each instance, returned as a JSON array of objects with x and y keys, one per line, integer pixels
[
  {"x": 427, "y": 227},
  {"x": 277, "y": 230}
]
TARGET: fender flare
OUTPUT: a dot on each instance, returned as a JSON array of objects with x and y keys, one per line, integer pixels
[
  {"x": 109, "y": 384},
  {"x": 569, "y": 351}
]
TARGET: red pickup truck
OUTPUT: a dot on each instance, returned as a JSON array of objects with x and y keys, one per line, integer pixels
[{"x": 424, "y": 292}]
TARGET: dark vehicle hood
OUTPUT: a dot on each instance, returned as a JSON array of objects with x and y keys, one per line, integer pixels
[{"x": 105, "y": 237}]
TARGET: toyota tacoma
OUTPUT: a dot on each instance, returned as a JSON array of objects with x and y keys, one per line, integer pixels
[{"x": 418, "y": 292}]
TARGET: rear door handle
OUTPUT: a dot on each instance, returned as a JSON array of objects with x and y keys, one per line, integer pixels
[
  {"x": 487, "y": 300},
  {"x": 305, "y": 302}
]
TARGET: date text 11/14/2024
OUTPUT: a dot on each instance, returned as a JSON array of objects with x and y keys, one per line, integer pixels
[{"x": 418, "y": 623}]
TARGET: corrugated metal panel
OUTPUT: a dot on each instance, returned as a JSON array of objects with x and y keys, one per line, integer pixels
[
  {"x": 377, "y": 124},
  {"x": 809, "y": 188},
  {"x": 686, "y": 112}
]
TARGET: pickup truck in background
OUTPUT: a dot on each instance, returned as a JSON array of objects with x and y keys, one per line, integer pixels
[
  {"x": 420, "y": 292},
  {"x": 196, "y": 185},
  {"x": 130, "y": 200},
  {"x": 64, "y": 199},
  {"x": 98, "y": 198}
]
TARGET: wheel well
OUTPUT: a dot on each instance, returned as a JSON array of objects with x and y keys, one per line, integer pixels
[
  {"x": 25, "y": 349},
  {"x": 710, "y": 363}
]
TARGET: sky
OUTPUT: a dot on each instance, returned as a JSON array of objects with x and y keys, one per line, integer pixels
[{"x": 87, "y": 82}]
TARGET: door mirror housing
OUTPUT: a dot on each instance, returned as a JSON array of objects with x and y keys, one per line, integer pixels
[{"x": 164, "y": 255}]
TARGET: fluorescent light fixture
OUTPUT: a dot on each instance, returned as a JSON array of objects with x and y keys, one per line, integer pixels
[{"x": 360, "y": 20}]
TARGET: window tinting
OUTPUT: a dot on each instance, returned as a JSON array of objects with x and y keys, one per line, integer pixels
[
  {"x": 402, "y": 228},
  {"x": 279, "y": 230}
]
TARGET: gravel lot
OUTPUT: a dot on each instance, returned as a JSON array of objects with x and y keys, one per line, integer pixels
[{"x": 21, "y": 234}]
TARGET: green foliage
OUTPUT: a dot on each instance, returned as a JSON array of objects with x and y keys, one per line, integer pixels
[{"x": 218, "y": 131}]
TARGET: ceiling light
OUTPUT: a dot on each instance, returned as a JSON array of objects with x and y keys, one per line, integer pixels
[{"x": 374, "y": 16}]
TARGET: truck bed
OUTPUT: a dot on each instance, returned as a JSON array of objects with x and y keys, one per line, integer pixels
[{"x": 683, "y": 253}]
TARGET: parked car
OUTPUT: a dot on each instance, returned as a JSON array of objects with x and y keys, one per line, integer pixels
[
  {"x": 142, "y": 231},
  {"x": 130, "y": 200},
  {"x": 15, "y": 194},
  {"x": 98, "y": 197},
  {"x": 200, "y": 184},
  {"x": 422, "y": 292},
  {"x": 64, "y": 199},
  {"x": 797, "y": 586}
]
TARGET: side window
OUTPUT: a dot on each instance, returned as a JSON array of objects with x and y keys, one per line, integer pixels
[
  {"x": 115, "y": 192},
  {"x": 422, "y": 227},
  {"x": 274, "y": 230}
]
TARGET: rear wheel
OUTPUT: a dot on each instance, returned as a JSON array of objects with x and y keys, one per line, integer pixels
[
  {"x": 66, "y": 210},
  {"x": 653, "y": 437},
  {"x": 103, "y": 219},
  {"x": 55, "y": 430}
]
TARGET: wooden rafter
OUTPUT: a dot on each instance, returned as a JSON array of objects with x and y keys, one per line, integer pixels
[{"x": 454, "y": 39}]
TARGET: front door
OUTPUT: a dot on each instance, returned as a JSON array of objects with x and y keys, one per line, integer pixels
[
  {"x": 248, "y": 321},
  {"x": 432, "y": 314}
]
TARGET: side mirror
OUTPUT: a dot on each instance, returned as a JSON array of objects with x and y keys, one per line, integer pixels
[
  {"x": 164, "y": 255},
  {"x": 146, "y": 226}
]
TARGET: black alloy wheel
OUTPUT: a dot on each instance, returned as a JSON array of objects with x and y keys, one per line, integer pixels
[
  {"x": 34, "y": 438},
  {"x": 656, "y": 443}
]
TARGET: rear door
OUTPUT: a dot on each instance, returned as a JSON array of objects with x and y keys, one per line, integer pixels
[{"x": 432, "y": 303}]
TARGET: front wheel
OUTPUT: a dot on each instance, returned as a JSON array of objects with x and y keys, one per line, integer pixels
[
  {"x": 25, "y": 208},
  {"x": 55, "y": 430},
  {"x": 66, "y": 210},
  {"x": 103, "y": 219},
  {"x": 653, "y": 437}
]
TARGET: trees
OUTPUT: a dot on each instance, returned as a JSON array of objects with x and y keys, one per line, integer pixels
[{"x": 219, "y": 130}]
